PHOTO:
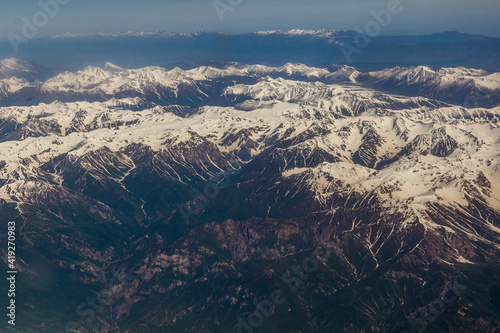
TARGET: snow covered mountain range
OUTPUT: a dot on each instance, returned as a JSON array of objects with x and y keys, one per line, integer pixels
[{"x": 396, "y": 172}]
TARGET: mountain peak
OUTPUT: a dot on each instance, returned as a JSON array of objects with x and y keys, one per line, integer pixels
[
  {"x": 10, "y": 62},
  {"x": 22, "y": 69},
  {"x": 112, "y": 67},
  {"x": 300, "y": 32}
]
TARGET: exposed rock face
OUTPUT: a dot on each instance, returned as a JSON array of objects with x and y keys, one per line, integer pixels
[{"x": 349, "y": 208}]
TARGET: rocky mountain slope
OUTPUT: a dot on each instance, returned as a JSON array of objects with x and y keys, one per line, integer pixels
[{"x": 156, "y": 200}]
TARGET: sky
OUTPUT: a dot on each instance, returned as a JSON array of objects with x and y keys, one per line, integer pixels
[{"x": 241, "y": 16}]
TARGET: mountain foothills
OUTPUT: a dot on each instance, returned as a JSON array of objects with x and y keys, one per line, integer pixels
[{"x": 189, "y": 198}]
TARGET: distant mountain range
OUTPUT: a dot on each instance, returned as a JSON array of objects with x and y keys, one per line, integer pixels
[{"x": 274, "y": 48}]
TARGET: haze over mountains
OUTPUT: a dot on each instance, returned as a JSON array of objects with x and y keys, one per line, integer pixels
[
  {"x": 395, "y": 173},
  {"x": 313, "y": 48}
]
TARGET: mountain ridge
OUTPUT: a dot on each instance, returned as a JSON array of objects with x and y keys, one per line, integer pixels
[
  {"x": 205, "y": 84},
  {"x": 316, "y": 48}
]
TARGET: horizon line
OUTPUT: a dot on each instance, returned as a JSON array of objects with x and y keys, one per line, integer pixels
[{"x": 292, "y": 32}]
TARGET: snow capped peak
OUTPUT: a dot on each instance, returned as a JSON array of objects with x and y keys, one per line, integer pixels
[
  {"x": 21, "y": 69},
  {"x": 112, "y": 68},
  {"x": 409, "y": 74},
  {"x": 338, "y": 67},
  {"x": 322, "y": 32},
  {"x": 12, "y": 66},
  {"x": 420, "y": 74},
  {"x": 299, "y": 32},
  {"x": 204, "y": 72},
  {"x": 95, "y": 71},
  {"x": 462, "y": 71},
  {"x": 342, "y": 73},
  {"x": 424, "y": 69},
  {"x": 12, "y": 63},
  {"x": 175, "y": 70},
  {"x": 303, "y": 70},
  {"x": 269, "y": 32}
]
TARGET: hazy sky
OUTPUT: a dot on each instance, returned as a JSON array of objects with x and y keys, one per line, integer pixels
[{"x": 418, "y": 16}]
